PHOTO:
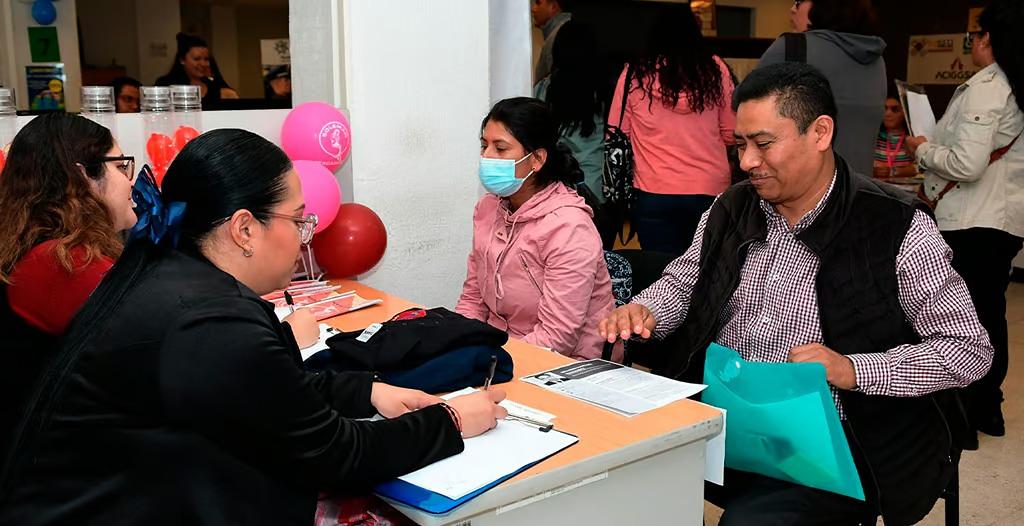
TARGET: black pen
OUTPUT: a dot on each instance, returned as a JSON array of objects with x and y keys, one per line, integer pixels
[
  {"x": 288, "y": 299},
  {"x": 490, "y": 375}
]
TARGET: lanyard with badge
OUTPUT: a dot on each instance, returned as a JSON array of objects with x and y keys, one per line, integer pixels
[{"x": 891, "y": 155}]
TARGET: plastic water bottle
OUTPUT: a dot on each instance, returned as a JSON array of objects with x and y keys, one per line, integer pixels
[
  {"x": 158, "y": 129},
  {"x": 98, "y": 106},
  {"x": 188, "y": 114},
  {"x": 8, "y": 122}
]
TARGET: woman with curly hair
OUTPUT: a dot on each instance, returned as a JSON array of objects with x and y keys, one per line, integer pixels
[
  {"x": 66, "y": 192},
  {"x": 678, "y": 117},
  {"x": 66, "y": 196}
]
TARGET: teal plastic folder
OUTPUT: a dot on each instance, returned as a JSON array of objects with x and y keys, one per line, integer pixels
[{"x": 783, "y": 423}]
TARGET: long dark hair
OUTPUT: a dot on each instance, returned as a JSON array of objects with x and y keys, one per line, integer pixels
[
  {"x": 177, "y": 75},
  {"x": 44, "y": 195},
  {"x": 530, "y": 121},
  {"x": 1001, "y": 20},
  {"x": 575, "y": 89},
  {"x": 679, "y": 57},
  {"x": 223, "y": 171}
]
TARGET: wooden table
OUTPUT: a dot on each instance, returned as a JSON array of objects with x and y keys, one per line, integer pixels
[{"x": 646, "y": 469}]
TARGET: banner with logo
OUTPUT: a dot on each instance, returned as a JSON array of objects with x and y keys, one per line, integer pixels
[{"x": 940, "y": 59}]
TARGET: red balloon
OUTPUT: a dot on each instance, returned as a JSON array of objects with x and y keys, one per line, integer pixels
[
  {"x": 160, "y": 149},
  {"x": 353, "y": 244},
  {"x": 182, "y": 135},
  {"x": 3, "y": 160},
  {"x": 158, "y": 173}
]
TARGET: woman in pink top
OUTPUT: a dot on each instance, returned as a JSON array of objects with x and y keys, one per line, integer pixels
[
  {"x": 678, "y": 117},
  {"x": 537, "y": 269}
]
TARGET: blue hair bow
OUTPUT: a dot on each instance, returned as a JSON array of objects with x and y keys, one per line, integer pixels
[{"x": 158, "y": 221}]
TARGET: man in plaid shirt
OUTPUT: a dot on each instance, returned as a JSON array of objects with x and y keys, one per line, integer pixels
[{"x": 810, "y": 262}]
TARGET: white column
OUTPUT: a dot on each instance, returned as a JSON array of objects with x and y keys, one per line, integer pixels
[{"x": 415, "y": 77}]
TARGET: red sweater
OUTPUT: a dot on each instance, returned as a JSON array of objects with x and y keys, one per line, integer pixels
[{"x": 45, "y": 294}]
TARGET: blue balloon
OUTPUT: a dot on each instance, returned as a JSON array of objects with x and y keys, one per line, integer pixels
[{"x": 44, "y": 12}]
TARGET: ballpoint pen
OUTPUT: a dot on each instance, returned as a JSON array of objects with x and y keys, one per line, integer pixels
[
  {"x": 542, "y": 426},
  {"x": 490, "y": 374},
  {"x": 288, "y": 299}
]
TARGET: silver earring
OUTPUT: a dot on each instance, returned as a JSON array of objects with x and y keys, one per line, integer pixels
[{"x": 247, "y": 252}]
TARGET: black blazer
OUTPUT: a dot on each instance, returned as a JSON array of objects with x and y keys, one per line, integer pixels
[{"x": 188, "y": 405}]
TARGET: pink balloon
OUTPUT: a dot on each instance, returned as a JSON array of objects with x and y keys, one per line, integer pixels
[
  {"x": 315, "y": 131},
  {"x": 321, "y": 191}
]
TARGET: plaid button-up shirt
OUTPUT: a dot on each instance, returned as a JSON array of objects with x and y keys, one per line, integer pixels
[{"x": 775, "y": 308}]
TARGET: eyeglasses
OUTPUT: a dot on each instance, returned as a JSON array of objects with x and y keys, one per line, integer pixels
[
  {"x": 307, "y": 225},
  {"x": 796, "y": 3},
  {"x": 126, "y": 165}
]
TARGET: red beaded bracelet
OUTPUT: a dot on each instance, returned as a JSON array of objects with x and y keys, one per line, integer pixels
[{"x": 455, "y": 416}]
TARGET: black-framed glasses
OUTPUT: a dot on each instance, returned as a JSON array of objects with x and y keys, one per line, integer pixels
[
  {"x": 125, "y": 164},
  {"x": 307, "y": 225}
]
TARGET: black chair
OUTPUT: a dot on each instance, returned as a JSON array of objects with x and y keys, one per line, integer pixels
[{"x": 646, "y": 267}]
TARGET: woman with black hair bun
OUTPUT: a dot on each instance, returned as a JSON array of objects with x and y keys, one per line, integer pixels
[
  {"x": 178, "y": 397},
  {"x": 537, "y": 269}
]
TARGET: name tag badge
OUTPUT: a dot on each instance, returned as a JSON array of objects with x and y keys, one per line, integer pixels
[{"x": 368, "y": 333}]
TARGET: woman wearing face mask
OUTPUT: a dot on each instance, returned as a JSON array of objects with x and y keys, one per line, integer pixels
[
  {"x": 65, "y": 193},
  {"x": 179, "y": 398},
  {"x": 537, "y": 269}
]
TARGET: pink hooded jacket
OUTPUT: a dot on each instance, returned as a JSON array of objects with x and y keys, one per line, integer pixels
[{"x": 539, "y": 273}]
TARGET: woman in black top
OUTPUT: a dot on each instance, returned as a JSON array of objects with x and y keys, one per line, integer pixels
[
  {"x": 179, "y": 398},
  {"x": 194, "y": 64}
]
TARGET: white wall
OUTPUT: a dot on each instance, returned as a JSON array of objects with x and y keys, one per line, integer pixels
[
  {"x": 98, "y": 22},
  {"x": 417, "y": 87},
  {"x": 162, "y": 21},
  {"x": 771, "y": 17},
  {"x": 17, "y": 20},
  {"x": 129, "y": 135},
  {"x": 224, "y": 41},
  {"x": 510, "y": 22}
]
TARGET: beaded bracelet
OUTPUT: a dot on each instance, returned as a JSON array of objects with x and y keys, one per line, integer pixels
[{"x": 455, "y": 416}]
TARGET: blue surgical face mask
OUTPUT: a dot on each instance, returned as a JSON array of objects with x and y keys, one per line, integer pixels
[{"x": 499, "y": 175}]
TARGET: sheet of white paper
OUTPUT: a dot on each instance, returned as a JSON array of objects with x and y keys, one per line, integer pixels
[
  {"x": 922, "y": 119},
  {"x": 714, "y": 456},
  {"x": 611, "y": 386},
  {"x": 525, "y": 411},
  {"x": 513, "y": 408},
  {"x": 320, "y": 345},
  {"x": 488, "y": 457},
  {"x": 654, "y": 389}
]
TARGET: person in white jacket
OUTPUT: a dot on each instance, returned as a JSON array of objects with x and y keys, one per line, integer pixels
[{"x": 974, "y": 169}]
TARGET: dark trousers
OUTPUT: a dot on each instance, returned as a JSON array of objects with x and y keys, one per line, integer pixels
[
  {"x": 750, "y": 499},
  {"x": 984, "y": 257},
  {"x": 666, "y": 223}
]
